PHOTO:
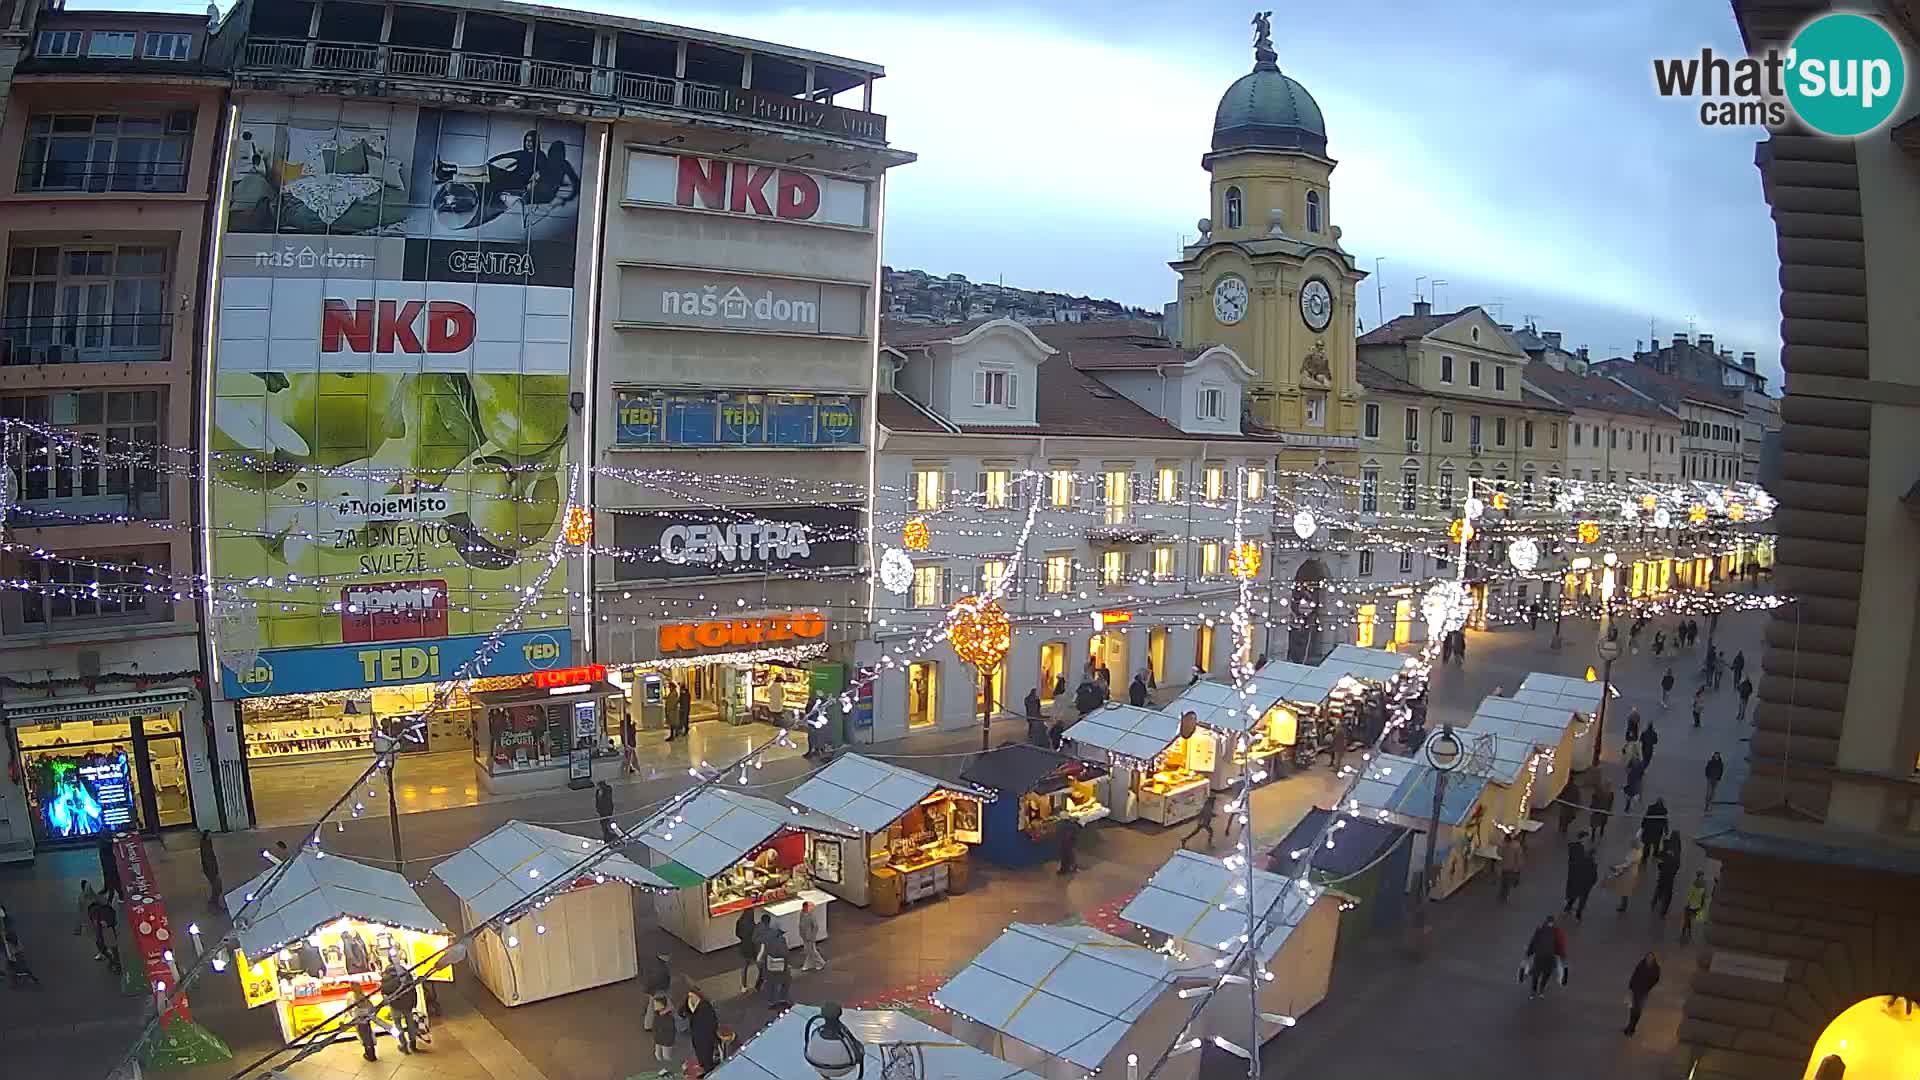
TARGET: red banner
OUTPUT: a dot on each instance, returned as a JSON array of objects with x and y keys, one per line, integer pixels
[{"x": 147, "y": 918}]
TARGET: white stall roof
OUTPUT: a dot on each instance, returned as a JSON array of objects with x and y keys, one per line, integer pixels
[
  {"x": 1560, "y": 691},
  {"x": 1184, "y": 897},
  {"x": 1126, "y": 730},
  {"x": 778, "y": 1052},
  {"x": 718, "y": 827},
  {"x": 870, "y": 795},
  {"x": 1551, "y": 719},
  {"x": 1285, "y": 681},
  {"x": 501, "y": 869},
  {"x": 1070, "y": 992},
  {"x": 1378, "y": 665},
  {"x": 318, "y": 889},
  {"x": 1406, "y": 790}
]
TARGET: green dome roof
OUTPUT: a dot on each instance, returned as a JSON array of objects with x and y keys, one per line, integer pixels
[{"x": 1266, "y": 110}]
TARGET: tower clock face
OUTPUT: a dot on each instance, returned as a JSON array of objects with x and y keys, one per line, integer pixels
[
  {"x": 1316, "y": 304},
  {"x": 1229, "y": 300}
]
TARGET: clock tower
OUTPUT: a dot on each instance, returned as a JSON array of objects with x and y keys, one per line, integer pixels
[{"x": 1268, "y": 277}]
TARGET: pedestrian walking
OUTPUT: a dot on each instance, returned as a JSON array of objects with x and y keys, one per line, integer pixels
[
  {"x": 603, "y": 805},
  {"x": 629, "y": 744},
  {"x": 1699, "y": 703},
  {"x": 1672, "y": 849},
  {"x": 1205, "y": 822},
  {"x": 1069, "y": 831},
  {"x": 1636, "y": 776},
  {"x": 1580, "y": 877},
  {"x": 1745, "y": 690},
  {"x": 106, "y": 930},
  {"x": 659, "y": 985},
  {"x": 1087, "y": 697},
  {"x": 1624, "y": 876},
  {"x": 683, "y": 712},
  {"x": 210, "y": 869},
  {"x": 1719, "y": 670},
  {"x": 1739, "y": 664},
  {"x": 1137, "y": 691},
  {"x": 1695, "y": 903},
  {"x": 1659, "y": 643},
  {"x": 775, "y": 977},
  {"x": 1570, "y": 806},
  {"x": 1707, "y": 665},
  {"x": 1513, "y": 858},
  {"x": 1646, "y": 976},
  {"x": 1602, "y": 812},
  {"x": 809, "y": 927},
  {"x": 1543, "y": 959},
  {"x": 670, "y": 710},
  {"x": 363, "y": 1013},
  {"x": 1459, "y": 647},
  {"x": 703, "y": 1030},
  {"x": 1716, "y": 768},
  {"x": 397, "y": 994},
  {"x": 1633, "y": 727},
  {"x": 110, "y": 871},
  {"x": 1666, "y": 686},
  {"x": 18, "y": 970},
  {"x": 1649, "y": 738},
  {"x": 660, "y": 1018},
  {"x": 1057, "y": 733},
  {"x": 1036, "y": 718},
  {"x": 1653, "y": 829},
  {"x": 1630, "y": 753},
  {"x": 743, "y": 928}
]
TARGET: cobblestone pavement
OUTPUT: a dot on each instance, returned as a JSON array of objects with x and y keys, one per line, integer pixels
[{"x": 1386, "y": 1012}]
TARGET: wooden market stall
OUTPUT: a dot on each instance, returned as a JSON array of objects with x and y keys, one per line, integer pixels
[
  {"x": 327, "y": 928},
  {"x": 1038, "y": 789},
  {"x": 1549, "y": 727},
  {"x": 1368, "y": 862},
  {"x": 778, "y": 1052},
  {"x": 1160, "y": 763},
  {"x": 1577, "y": 697},
  {"x": 1274, "y": 725},
  {"x": 1399, "y": 791},
  {"x": 724, "y": 852},
  {"x": 915, "y": 832},
  {"x": 575, "y": 939}
]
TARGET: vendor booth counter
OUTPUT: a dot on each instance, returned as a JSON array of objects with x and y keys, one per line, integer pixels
[
  {"x": 1160, "y": 763},
  {"x": 580, "y": 936},
  {"x": 326, "y": 929},
  {"x": 1399, "y": 791},
  {"x": 1037, "y": 790},
  {"x": 723, "y": 853},
  {"x": 779, "y": 1051},
  {"x": 915, "y": 832},
  {"x": 1577, "y": 697}
]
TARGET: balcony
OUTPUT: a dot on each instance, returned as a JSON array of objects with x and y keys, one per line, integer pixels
[
  {"x": 364, "y": 61},
  {"x": 86, "y": 339},
  {"x": 78, "y": 509},
  {"x": 139, "y": 177},
  {"x": 1124, "y": 533}
]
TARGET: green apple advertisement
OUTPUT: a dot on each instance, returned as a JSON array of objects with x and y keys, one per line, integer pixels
[{"x": 390, "y": 419}]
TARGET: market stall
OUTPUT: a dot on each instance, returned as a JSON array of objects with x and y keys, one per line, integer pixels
[
  {"x": 1577, "y": 697},
  {"x": 1399, "y": 791},
  {"x": 1274, "y": 725},
  {"x": 914, "y": 832},
  {"x": 1548, "y": 727},
  {"x": 576, "y": 938},
  {"x": 778, "y": 1052},
  {"x": 326, "y": 929},
  {"x": 1037, "y": 790},
  {"x": 1199, "y": 903},
  {"x": 560, "y": 730},
  {"x": 1368, "y": 861},
  {"x": 724, "y": 852},
  {"x": 1160, "y": 763}
]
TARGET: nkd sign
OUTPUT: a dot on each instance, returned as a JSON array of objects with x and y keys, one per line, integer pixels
[{"x": 745, "y": 188}]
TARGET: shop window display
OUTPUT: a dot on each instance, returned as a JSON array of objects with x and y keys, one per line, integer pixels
[{"x": 86, "y": 778}]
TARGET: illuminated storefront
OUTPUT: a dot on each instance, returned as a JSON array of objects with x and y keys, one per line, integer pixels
[
  {"x": 734, "y": 671},
  {"x": 103, "y": 764}
]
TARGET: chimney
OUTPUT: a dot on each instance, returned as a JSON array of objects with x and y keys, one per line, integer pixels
[
  {"x": 1679, "y": 340},
  {"x": 1553, "y": 339},
  {"x": 1746, "y": 360},
  {"x": 1507, "y": 326},
  {"x": 1582, "y": 353},
  {"x": 1706, "y": 343},
  {"x": 1422, "y": 308}
]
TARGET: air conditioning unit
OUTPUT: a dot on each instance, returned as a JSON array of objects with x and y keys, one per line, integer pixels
[{"x": 1413, "y": 445}]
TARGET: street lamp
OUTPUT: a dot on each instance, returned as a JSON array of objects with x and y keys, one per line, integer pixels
[
  {"x": 1609, "y": 649},
  {"x": 1444, "y": 753},
  {"x": 830, "y": 1048}
]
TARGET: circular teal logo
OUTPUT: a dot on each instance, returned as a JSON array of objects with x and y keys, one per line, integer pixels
[{"x": 1845, "y": 74}]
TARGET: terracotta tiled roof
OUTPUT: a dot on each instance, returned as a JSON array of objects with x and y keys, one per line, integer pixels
[
  {"x": 1056, "y": 333},
  {"x": 1374, "y": 378},
  {"x": 896, "y": 413},
  {"x": 1590, "y": 392},
  {"x": 906, "y": 335},
  {"x": 1408, "y": 327},
  {"x": 1668, "y": 389}
]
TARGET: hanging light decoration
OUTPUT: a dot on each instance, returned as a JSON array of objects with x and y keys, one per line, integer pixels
[
  {"x": 1304, "y": 525},
  {"x": 578, "y": 530},
  {"x": 896, "y": 571},
  {"x": 1647, "y": 502},
  {"x": 1475, "y": 508},
  {"x": 915, "y": 535},
  {"x": 1244, "y": 561},
  {"x": 1500, "y": 500},
  {"x": 1445, "y": 607},
  {"x": 1736, "y": 512},
  {"x": 1697, "y": 514},
  {"x": 1662, "y": 518},
  {"x": 1461, "y": 530},
  {"x": 1524, "y": 554},
  {"x": 979, "y": 631},
  {"x": 1589, "y": 532}
]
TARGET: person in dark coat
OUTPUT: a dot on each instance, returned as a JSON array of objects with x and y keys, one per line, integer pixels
[
  {"x": 1739, "y": 664},
  {"x": 1570, "y": 806},
  {"x": 1745, "y": 689},
  {"x": 1582, "y": 874},
  {"x": 1137, "y": 692},
  {"x": 1205, "y": 820},
  {"x": 1666, "y": 683},
  {"x": 1669, "y": 873},
  {"x": 1543, "y": 955},
  {"x": 1087, "y": 697},
  {"x": 1069, "y": 831},
  {"x": 1649, "y": 738},
  {"x": 1036, "y": 719},
  {"x": 1653, "y": 829},
  {"x": 110, "y": 871},
  {"x": 703, "y": 1030},
  {"x": 603, "y": 805},
  {"x": 1716, "y": 768},
  {"x": 749, "y": 949},
  {"x": 1602, "y": 803},
  {"x": 1636, "y": 775},
  {"x": 684, "y": 710},
  {"x": 210, "y": 869},
  {"x": 629, "y": 744},
  {"x": 1056, "y": 734},
  {"x": 1646, "y": 976},
  {"x": 1633, "y": 725}
]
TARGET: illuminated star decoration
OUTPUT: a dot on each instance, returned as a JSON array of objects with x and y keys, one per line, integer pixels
[
  {"x": 1304, "y": 525},
  {"x": 1244, "y": 561},
  {"x": 1563, "y": 501},
  {"x": 980, "y": 632},
  {"x": 1499, "y": 500},
  {"x": 1696, "y": 514},
  {"x": 1461, "y": 530},
  {"x": 578, "y": 530},
  {"x": 896, "y": 571},
  {"x": 1445, "y": 607},
  {"x": 915, "y": 534},
  {"x": 1475, "y": 507},
  {"x": 1589, "y": 532},
  {"x": 1647, "y": 502},
  {"x": 1735, "y": 511},
  {"x": 1628, "y": 511},
  {"x": 1524, "y": 554}
]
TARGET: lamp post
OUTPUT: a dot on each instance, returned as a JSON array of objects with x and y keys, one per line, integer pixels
[
  {"x": 1444, "y": 753},
  {"x": 980, "y": 633},
  {"x": 1609, "y": 649},
  {"x": 830, "y": 1048}
]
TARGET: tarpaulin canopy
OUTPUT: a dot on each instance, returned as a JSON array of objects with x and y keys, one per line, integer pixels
[
  {"x": 1406, "y": 790},
  {"x": 1377, "y": 665},
  {"x": 717, "y": 828},
  {"x": 870, "y": 795},
  {"x": 1127, "y": 731},
  {"x": 318, "y": 889},
  {"x": 1185, "y": 897},
  {"x": 779, "y": 1051},
  {"x": 502, "y": 869},
  {"x": 1559, "y": 691}
]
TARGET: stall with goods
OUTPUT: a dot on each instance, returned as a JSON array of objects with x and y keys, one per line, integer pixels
[
  {"x": 1160, "y": 762},
  {"x": 1266, "y": 715},
  {"x": 560, "y": 729},
  {"x": 1399, "y": 791},
  {"x": 915, "y": 832},
  {"x": 1037, "y": 791},
  {"x": 573, "y": 938}
]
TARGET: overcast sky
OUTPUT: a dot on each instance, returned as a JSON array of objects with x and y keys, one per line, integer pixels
[{"x": 1515, "y": 150}]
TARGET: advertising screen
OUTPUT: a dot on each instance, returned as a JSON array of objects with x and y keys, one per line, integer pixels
[{"x": 390, "y": 422}]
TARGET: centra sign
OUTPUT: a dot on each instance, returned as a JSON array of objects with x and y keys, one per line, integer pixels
[{"x": 755, "y": 541}]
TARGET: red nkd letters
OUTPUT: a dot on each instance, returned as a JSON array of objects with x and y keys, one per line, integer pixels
[
  {"x": 395, "y": 326},
  {"x": 739, "y": 188}
]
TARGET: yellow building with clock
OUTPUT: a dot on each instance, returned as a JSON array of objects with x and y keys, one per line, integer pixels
[{"x": 1268, "y": 277}]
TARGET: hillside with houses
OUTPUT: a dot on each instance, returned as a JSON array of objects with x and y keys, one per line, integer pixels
[{"x": 918, "y": 296}]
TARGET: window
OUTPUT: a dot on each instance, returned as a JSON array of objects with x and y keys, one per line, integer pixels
[
  {"x": 113, "y": 592},
  {"x": 105, "y": 464},
  {"x": 1060, "y": 487},
  {"x": 1059, "y": 573},
  {"x": 1163, "y": 567},
  {"x": 995, "y": 387},
  {"x": 1316, "y": 405},
  {"x": 1371, "y": 421},
  {"x": 1473, "y": 373},
  {"x": 1446, "y": 369},
  {"x": 1113, "y": 568},
  {"x": 1216, "y": 483},
  {"x": 1499, "y": 377},
  {"x": 1613, "y": 438},
  {"x": 929, "y": 586},
  {"x": 1166, "y": 484},
  {"x": 1576, "y": 434},
  {"x": 1473, "y": 431},
  {"x": 1446, "y": 427},
  {"x": 1409, "y": 489},
  {"x": 59, "y": 43},
  {"x": 995, "y": 489},
  {"x": 111, "y": 44},
  {"x": 1526, "y": 434},
  {"x": 992, "y": 573},
  {"x": 84, "y": 304},
  {"x": 1366, "y": 563},
  {"x": 1446, "y": 486},
  {"x": 168, "y": 46},
  {"x": 1499, "y": 431},
  {"x": 1210, "y": 559},
  {"x": 929, "y": 489},
  {"x": 1116, "y": 491},
  {"x": 1526, "y": 485},
  {"x": 107, "y": 152},
  {"x": 1313, "y": 211},
  {"x": 1369, "y": 491},
  {"x": 1210, "y": 406},
  {"x": 1612, "y": 477},
  {"x": 1406, "y": 562},
  {"x": 923, "y": 693},
  {"x": 1235, "y": 213},
  {"x": 1553, "y": 436},
  {"x": 1413, "y": 425},
  {"x": 1256, "y": 484}
]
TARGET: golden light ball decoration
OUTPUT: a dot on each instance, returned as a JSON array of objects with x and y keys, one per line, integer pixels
[
  {"x": 915, "y": 536},
  {"x": 980, "y": 632},
  {"x": 1647, "y": 502},
  {"x": 578, "y": 529},
  {"x": 1697, "y": 514},
  {"x": 1499, "y": 500},
  {"x": 1736, "y": 512},
  {"x": 1589, "y": 532},
  {"x": 1461, "y": 530},
  {"x": 1244, "y": 561}
]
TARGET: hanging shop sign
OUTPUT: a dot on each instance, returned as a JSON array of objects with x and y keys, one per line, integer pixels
[
  {"x": 585, "y": 675},
  {"x": 725, "y": 418},
  {"x": 707, "y": 300},
  {"x": 744, "y": 188},
  {"x": 711, "y": 543},
  {"x": 1115, "y": 618},
  {"x": 363, "y": 666},
  {"x": 741, "y": 633}
]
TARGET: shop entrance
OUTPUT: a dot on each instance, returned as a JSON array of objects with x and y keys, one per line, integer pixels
[
  {"x": 98, "y": 769},
  {"x": 1109, "y": 649},
  {"x": 1157, "y": 654},
  {"x": 1203, "y": 647},
  {"x": 1303, "y": 633},
  {"x": 923, "y": 693},
  {"x": 1053, "y": 670}
]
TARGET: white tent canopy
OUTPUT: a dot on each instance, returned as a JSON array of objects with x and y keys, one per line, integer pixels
[
  {"x": 1552, "y": 719},
  {"x": 1184, "y": 898},
  {"x": 870, "y": 795},
  {"x": 1070, "y": 992},
  {"x": 1559, "y": 691},
  {"x": 1377, "y": 665},
  {"x": 499, "y": 871},
  {"x": 1126, "y": 730},
  {"x": 717, "y": 828},
  {"x": 318, "y": 889},
  {"x": 779, "y": 1051}
]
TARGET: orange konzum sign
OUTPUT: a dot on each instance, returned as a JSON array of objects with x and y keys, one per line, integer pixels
[{"x": 740, "y": 633}]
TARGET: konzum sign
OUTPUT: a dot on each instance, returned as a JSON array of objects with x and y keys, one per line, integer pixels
[
  {"x": 740, "y": 633},
  {"x": 745, "y": 188}
]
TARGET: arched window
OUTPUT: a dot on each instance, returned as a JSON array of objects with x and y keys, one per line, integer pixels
[
  {"x": 1313, "y": 211},
  {"x": 1234, "y": 211}
]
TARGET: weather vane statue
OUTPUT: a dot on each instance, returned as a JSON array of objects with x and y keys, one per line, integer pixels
[{"x": 1263, "y": 37}]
